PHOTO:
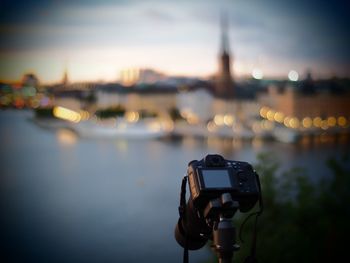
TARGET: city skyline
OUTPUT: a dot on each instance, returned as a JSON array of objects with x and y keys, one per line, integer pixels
[{"x": 95, "y": 40}]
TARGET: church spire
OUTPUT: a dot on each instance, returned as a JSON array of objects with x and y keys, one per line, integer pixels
[
  {"x": 224, "y": 87},
  {"x": 65, "y": 79},
  {"x": 224, "y": 38}
]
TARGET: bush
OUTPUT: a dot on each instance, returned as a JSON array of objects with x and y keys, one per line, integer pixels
[
  {"x": 44, "y": 112},
  {"x": 112, "y": 112},
  {"x": 302, "y": 221}
]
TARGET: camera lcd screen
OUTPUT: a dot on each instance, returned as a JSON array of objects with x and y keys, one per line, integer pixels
[{"x": 216, "y": 179}]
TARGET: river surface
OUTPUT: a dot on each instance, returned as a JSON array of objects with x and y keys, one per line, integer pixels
[{"x": 70, "y": 199}]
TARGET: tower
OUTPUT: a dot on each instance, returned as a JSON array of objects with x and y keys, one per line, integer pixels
[
  {"x": 224, "y": 85},
  {"x": 65, "y": 78}
]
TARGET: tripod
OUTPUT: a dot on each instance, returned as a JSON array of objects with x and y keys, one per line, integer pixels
[
  {"x": 220, "y": 212},
  {"x": 196, "y": 227},
  {"x": 224, "y": 238}
]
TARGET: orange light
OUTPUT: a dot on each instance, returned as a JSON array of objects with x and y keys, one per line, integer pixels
[
  {"x": 317, "y": 122},
  {"x": 294, "y": 123},
  {"x": 324, "y": 125},
  {"x": 19, "y": 103},
  {"x": 219, "y": 119},
  {"x": 279, "y": 117},
  {"x": 228, "y": 120},
  {"x": 342, "y": 121},
  {"x": 132, "y": 116},
  {"x": 263, "y": 112},
  {"x": 286, "y": 121},
  {"x": 307, "y": 122},
  {"x": 270, "y": 115},
  {"x": 331, "y": 121}
]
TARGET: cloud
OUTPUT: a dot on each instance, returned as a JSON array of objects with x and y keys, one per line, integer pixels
[{"x": 292, "y": 32}]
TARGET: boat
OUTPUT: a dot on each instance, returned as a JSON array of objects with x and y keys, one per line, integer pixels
[
  {"x": 120, "y": 128},
  {"x": 111, "y": 123}
]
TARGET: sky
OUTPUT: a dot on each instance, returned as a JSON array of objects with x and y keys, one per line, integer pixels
[{"x": 94, "y": 40}]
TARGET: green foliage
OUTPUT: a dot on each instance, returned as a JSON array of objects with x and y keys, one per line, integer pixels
[
  {"x": 147, "y": 114},
  {"x": 44, "y": 112},
  {"x": 119, "y": 111},
  {"x": 111, "y": 112},
  {"x": 303, "y": 221},
  {"x": 175, "y": 114}
]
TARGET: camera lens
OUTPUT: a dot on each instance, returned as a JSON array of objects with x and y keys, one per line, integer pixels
[
  {"x": 192, "y": 243},
  {"x": 188, "y": 230}
]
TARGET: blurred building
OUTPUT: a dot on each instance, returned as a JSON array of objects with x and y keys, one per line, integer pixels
[
  {"x": 307, "y": 104},
  {"x": 224, "y": 86},
  {"x": 132, "y": 76},
  {"x": 65, "y": 80},
  {"x": 195, "y": 105},
  {"x": 295, "y": 103},
  {"x": 151, "y": 98}
]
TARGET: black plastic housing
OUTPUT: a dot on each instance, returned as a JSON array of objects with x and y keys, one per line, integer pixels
[{"x": 234, "y": 177}]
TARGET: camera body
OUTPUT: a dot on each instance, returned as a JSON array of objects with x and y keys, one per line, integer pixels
[{"x": 213, "y": 176}]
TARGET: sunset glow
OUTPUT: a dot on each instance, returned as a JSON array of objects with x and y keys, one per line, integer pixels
[{"x": 95, "y": 41}]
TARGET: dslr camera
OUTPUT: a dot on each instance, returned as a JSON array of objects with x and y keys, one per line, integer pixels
[{"x": 218, "y": 188}]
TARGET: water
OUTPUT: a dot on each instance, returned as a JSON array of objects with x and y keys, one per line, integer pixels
[{"x": 68, "y": 199}]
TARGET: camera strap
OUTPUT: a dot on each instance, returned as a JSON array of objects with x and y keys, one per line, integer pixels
[
  {"x": 182, "y": 207},
  {"x": 182, "y": 213}
]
